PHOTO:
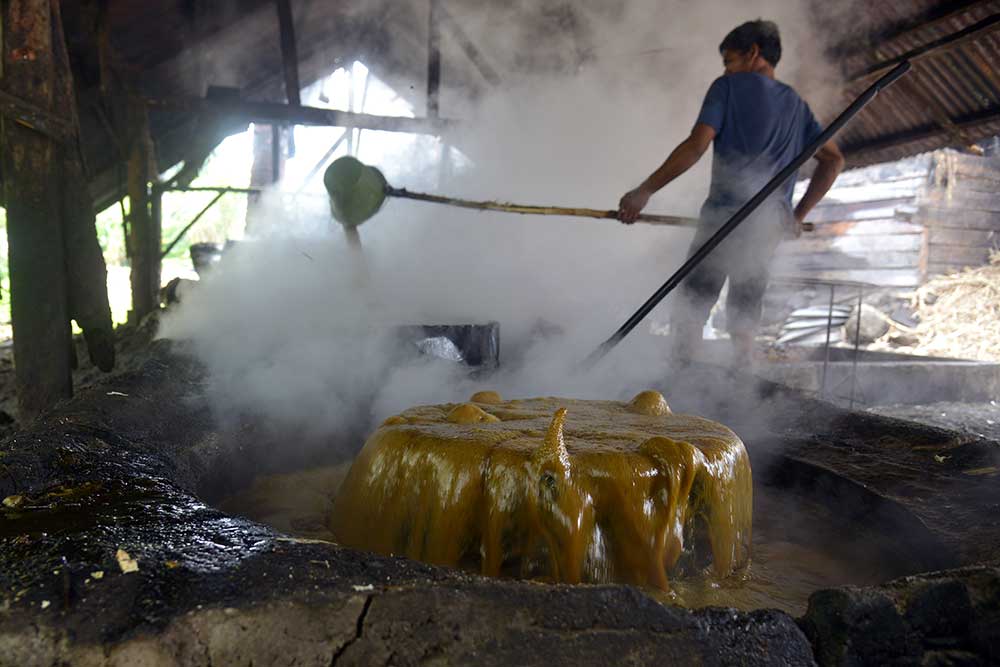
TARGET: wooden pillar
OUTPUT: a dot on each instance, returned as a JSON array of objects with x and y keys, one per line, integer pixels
[
  {"x": 38, "y": 277},
  {"x": 434, "y": 61},
  {"x": 144, "y": 236},
  {"x": 290, "y": 65},
  {"x": 268, "y": 165},
  {"x": 289, "y": 52},
  {"x": 87, "y": 273}
]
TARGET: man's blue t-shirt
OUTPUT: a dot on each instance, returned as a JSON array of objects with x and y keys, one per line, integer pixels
[{"x": 761, "y": 125}]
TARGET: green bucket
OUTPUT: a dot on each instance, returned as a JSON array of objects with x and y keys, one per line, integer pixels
[{"x": 356, "y": 190}]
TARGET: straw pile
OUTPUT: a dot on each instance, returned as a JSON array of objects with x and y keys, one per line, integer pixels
[{"x": 960, "y": 314}]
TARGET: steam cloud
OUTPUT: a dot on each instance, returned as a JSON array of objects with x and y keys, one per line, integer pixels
[{"x": 290, "y": 330}]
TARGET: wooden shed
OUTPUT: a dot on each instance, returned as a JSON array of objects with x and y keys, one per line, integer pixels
[
  {"x": 101, "y": 97},
  {"x": 897, "y": 224}
]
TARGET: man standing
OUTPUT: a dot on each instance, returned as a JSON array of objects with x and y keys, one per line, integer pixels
[{"x": 758, "y": 126}]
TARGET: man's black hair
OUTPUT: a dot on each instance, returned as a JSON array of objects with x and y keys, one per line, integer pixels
[{"x": 760, "y": 32}]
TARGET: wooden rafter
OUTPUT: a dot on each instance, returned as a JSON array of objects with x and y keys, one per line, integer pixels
[{"x": 284, "y": 114}]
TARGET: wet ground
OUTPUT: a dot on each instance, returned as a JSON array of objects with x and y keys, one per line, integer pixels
[
  {"x": 981, "y": 420},
  {"x": 122, "y": 468}
]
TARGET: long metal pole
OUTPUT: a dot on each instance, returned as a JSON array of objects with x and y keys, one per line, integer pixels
[{"x": 779, "y": 179}]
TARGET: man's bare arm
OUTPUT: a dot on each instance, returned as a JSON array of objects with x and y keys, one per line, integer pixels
[
  {"x": 831, "y": 163},
  {"x": 687, "y": 153}
]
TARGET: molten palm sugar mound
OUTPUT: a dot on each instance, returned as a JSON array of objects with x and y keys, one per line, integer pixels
[{"x": 561, "y": 490}]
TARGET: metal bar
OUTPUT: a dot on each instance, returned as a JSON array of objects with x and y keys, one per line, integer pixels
[
  {"x": 826, "y": 358},
  {"x": 857, "y": 345},
  {"x": 987, "y": 25},
  {"x": 434, "y": 61},
  {"x": 191, "y": 224},
  {"x": 779, "y": 179},
  {"x": 284, "y": 114},
  {"x": 469, "y": 47}
]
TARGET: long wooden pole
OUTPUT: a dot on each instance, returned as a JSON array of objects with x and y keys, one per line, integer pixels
[
  {"x": 502, "y": 207},
  {"x": 284, "y": 114}
]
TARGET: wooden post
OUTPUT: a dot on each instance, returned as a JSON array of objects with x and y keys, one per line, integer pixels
[
  {"x": 434, "y": 62},
  {"x": 289, "y": 52},
  {"x": 38, "y": 278},
  {"x": 144, "y": 237},
  {"x": 268, "y": 163},
  {"x": 290, "y": 64},
  {"x": 87, "y": 273}
]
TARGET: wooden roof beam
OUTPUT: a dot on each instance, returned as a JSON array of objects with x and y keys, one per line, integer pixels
[{"x": 286, "y": 114}]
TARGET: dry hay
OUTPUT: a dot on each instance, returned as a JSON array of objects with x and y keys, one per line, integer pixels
[{"x": 960, "y": 314}]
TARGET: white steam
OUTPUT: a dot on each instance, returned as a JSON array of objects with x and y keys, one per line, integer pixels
[{"x": 291, "y": 332}]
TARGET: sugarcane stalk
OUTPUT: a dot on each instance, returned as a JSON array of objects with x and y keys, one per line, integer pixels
[
  {"x": 505, "y": 207},
  {"x": 537, "y": 210}
]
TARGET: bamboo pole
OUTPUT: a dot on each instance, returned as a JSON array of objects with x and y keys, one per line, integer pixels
[
  {"x": 571, "y": 212},
  {"x": 502, "y": 207}
]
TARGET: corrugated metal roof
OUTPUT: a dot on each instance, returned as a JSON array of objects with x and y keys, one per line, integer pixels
[{"x": 952, "y": 95}]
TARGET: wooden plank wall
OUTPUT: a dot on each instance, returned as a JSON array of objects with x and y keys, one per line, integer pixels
[
  {"x": 961, "y": 212},
  {"x": 865, "y": 229}
]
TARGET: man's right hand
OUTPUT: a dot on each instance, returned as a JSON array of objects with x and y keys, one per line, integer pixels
[{"x": 632, "y": 203}]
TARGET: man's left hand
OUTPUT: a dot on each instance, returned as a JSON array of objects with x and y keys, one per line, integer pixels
[{"x": 631, "y": 205}]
